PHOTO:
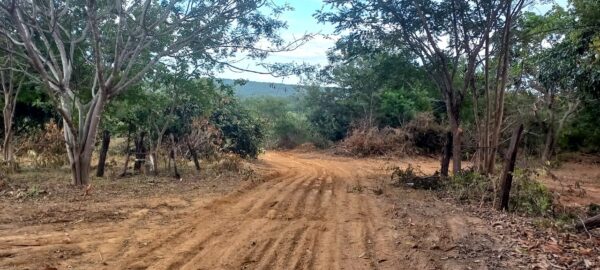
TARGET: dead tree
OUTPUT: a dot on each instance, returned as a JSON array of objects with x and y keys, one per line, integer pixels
[
  {"x": 589, "y": 224},
  {"x": 509, "y": 167},
  {"x": 103, "y": 153},
  {"x": 446, "y": 155}
]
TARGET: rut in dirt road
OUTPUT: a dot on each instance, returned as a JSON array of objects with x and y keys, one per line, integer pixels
[{"x": 312, "y": 216}]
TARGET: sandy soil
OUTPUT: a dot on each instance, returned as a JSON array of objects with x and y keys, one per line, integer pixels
[
  {"x": 576, "y": 181},
  {"x": 309, "y": 211}
]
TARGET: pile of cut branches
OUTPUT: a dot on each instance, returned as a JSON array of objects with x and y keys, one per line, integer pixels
[{"x": 414, "y": 178}]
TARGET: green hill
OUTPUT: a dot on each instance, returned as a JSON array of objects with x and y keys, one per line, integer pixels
[{"x": 256, "y": 89}]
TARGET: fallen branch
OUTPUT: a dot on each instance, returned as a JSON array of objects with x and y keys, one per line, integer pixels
[{"x": 588, "y": 224}]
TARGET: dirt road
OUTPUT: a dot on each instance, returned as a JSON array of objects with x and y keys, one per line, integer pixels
[{"x": 312, "y": 212}]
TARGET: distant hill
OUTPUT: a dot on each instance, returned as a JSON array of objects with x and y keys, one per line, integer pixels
[{"x": 257, "y": 89}]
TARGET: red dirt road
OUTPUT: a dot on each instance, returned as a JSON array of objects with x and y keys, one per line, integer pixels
[{"x": 312, "y": 212}]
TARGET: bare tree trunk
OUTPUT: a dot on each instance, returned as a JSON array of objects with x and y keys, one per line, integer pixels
[
  {"x": 194, "y": 155},
  {"x": 11, "y": 92},
  {"x": 174, "y": 157},
  {"x": 555, "y": 128},
  {"x": 80, "y": 142},
  {"x": 548, "y": 151},
  {"x": 509, "y": 167},
  {"x": 7, "y": 148},
  {"x": 446, "y": 155},
  {"x": 154, "y": 153},
  {"x": 456, "y": 141},
  {"x": 140, "y": 153},
  {"x": 128, "y": 152},
  {"x": 103, "y": 153}
]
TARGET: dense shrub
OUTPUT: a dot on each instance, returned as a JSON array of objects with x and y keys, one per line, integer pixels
[
  {"x": 375, "y": 141},
  {"x": 528, "y": 195},
  {"x": 242, "y": 133},
  {"x": 422, "y": 135},
  {"x": 285, "y": 124}
]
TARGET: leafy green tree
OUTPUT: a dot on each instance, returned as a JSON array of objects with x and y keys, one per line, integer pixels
[
  {"x": 242, "y": 133},
  {"x": 284, "y": 121},
  {"x": 468, "y": 30},
  {"x": 86, "y": 53}
]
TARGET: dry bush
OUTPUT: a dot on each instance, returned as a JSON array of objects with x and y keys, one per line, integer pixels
[
  {"x": 206, "y": 138},
  {"x": 375, "y": 141},
  {"x": 415, "y": 178},
  {"x": 45, "y": 148},
  {"x": 228, "y": 163},
  {"x": 422, "y": 135},
  {"x": 426, "y": 134}
]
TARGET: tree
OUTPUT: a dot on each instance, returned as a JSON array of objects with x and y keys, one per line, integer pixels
[
  {"x": 560, "y": 65},
  {"x": 10, "y": 85},
  {"x": 447, "y": 37},
  {"x": 86, "y": 53}
]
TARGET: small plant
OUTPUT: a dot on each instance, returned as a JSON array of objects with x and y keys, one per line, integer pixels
[
  {"x": 593, "y": 209},
  {"x": 528, "y": 195},
  {"x": 469, "y": 185}
]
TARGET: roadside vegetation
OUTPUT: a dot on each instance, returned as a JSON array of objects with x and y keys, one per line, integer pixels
[{"x": 124, "y": 98}]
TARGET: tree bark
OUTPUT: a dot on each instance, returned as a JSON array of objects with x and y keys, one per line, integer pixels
[
  {"x": 80, "y": 140},
  {"x": 140, "y": 153},
  {"x": 128, "y": 152},
  {"x": 446, "y": 155},
  {"x": 194, "y": 155},
  {"x": 11, "y": 92},
  {"x": 456, "y": 142},
  {"x": 589, "y": 224},
  {"x": 103, "y": 153},
  {"x": 501, "y": 81},
  {"x": 549, "y": 143},
  {"x": 174, "y": 157},
  {"x": 509, "y": 167}
]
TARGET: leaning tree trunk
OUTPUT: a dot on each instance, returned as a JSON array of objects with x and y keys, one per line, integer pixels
[
  {"x": 509, "y": 167},
  {"x": 194, "y": 154},
  {"x": 103, "y": 153},
  {"x": 549, "y": 144}
]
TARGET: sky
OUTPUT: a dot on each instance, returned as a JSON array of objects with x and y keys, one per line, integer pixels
[{"x": 301, "y": 21}]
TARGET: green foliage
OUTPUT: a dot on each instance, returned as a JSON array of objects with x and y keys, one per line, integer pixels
[
  {"x": 286, "y": 124},
  {"x": 400, "y": 106},
  {"x": 242, "y": 133},
  {"x": 471, "y": 186},
  {"x": 328, "y": 111},
  {"x": 528, "y": 195}
]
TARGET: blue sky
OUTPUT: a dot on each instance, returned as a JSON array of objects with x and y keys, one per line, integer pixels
[{"x": 301, "y": 21}]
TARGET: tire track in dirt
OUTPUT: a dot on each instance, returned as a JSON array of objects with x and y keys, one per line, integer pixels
[{"x": 306, "y": 217}]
